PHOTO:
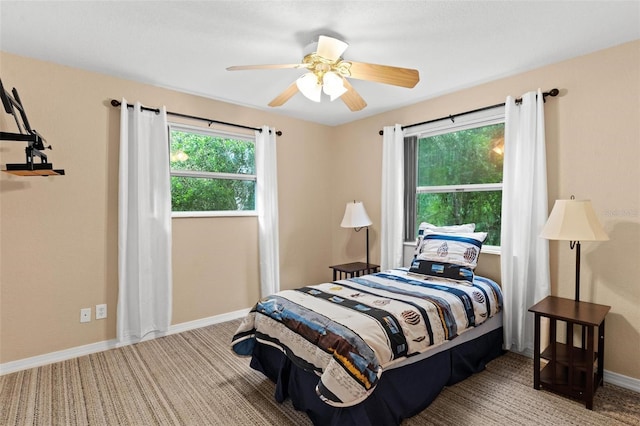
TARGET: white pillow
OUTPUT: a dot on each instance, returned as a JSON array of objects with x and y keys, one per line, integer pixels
[
  {"x": 458, "y": 248},
  {"x": 467, "y": 227}
]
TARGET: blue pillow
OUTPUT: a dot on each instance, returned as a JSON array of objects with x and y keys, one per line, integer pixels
[
  {"x": 457, "y": 248},
  {"x": 441, "y": 270}
]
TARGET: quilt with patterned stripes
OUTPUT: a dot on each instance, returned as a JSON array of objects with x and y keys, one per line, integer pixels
[{"x": 349, "y": 331}]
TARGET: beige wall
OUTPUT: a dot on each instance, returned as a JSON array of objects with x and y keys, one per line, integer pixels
[
  {"x": 593, "y": 151},
  {"x": 58, "y": 235},
  {"x": 58, "y": 247}
]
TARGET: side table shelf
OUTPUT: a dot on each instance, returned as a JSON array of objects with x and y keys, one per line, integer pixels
[
  {"x": 354, "y": 269},
  {"x": 574, "y": 371},
  {"x": 570, "y": 375}
]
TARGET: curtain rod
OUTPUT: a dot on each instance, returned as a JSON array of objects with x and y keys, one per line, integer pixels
[
  {"x": 552, "y": 92},
  {"x": 116, "y": 103}
]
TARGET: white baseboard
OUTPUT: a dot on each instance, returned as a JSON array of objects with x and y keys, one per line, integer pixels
[
  {"x": 608, "y": 376},
  {"x": 50, "y": 358},
  {"x": 216, "y": 319},
  {"x": 622, "y": 381},
  {"x": 37, "y": 361}
]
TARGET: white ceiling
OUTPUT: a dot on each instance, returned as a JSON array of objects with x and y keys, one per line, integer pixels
[{"x": 187, "y": 46}]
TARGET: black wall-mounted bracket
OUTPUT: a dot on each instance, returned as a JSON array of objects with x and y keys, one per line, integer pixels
[{"x": 35, "y": 142}]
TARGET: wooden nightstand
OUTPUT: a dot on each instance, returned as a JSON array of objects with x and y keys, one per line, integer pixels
[
  {"x": 355, "y": 269},
  {"x": 574, "y": 371}
]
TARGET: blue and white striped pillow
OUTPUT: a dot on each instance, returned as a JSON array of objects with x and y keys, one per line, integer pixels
[
  {"x": 458, "y": 248},
  {"x": 424, "y": 226}
]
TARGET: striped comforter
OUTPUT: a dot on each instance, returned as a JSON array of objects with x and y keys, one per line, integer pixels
[{"x": 348, "y": 331}]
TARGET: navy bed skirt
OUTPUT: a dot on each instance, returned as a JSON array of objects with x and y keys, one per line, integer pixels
[{"x": 401, "y": 392}]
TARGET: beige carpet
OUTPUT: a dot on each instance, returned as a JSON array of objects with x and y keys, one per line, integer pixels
[{"x": 193, "y": 378}]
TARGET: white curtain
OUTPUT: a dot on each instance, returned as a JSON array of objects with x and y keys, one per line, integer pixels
[
  {"x": 267, "y": 207},
  {"x": 524, "y": 255},
  {"x": 144, "y": 225},
  {"x": 391, "y": 235}
]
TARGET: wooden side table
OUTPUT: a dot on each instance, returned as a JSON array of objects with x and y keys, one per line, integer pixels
[
  {"x": 355, "y": 269},
  {"x": 574, "y": 371}
]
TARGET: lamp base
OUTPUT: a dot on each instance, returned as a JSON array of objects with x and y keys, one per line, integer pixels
[
  {"x": 577, "y": 246},
  {"x": 367, "y": 246}
]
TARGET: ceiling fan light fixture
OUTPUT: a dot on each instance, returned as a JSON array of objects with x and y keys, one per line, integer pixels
[
  {"x": 328, "y": 72},
  {"x": 331, "y": 48},
  {"x": 333, "y": 86},
  {"x": 309, "y": 86}
]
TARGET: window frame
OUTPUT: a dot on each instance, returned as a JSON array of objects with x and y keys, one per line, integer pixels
[
  {"x": 485, "y": 117},
  {"x": 211, "y": 175}
]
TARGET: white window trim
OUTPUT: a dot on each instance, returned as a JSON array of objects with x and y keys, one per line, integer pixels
[
  {"x": 472, "y": 187},
  {"x": 468, "y": 121},
  {"x": 219, "y": 213},
  {"x": 208, "y": 131},
  {"x": 491, "y": 249},
  {"x": 475, "y": 119},
  {"x": 211, "y": 175}
]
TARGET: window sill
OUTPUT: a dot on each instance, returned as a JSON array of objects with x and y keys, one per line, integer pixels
[
  {"x": 251, "y": 213},
  {"x": 485, "y": 249},
  {"x": 491, "y": 250}
]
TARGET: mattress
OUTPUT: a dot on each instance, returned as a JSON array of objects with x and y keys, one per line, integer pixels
[{"x": 492, "y": 324}]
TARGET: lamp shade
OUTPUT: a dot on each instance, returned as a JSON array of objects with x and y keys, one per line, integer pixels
[
  {"x": 355, "y": 216},
  {"x": 573, "y": 220},
  {"x": 332, "y": 85},
  {"x": 309, "y": 86}
]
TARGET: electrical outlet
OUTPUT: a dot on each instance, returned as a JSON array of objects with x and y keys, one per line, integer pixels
[
  {"x": 101, "y": 311},
  {"x": 85, "y": 315}
]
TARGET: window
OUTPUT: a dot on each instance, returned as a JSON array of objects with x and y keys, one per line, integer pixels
[
  {"x": 457, "y": 177},
  {"x": 211, "y": 171}
]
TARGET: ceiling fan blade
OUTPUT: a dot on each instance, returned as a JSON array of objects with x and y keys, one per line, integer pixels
[
  {"x": 284, "y": 96},
  {"x": 330, "y": 48},
  {"x": 405, "y": 77},
  {"x": 265, "y": 67},
  {"x": 352, "y": 98}
]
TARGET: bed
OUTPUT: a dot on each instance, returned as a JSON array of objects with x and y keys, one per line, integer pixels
[
  {"x": 374, "y": 349},
  {"x": 379, "y": 348}
]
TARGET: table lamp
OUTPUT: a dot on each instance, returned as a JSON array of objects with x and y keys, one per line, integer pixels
[
  {"x": 355, "y": 216},
  {"x": 574, "y": 221}
]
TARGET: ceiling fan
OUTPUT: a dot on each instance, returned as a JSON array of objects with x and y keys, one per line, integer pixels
[{"x": 328, "y": 73}]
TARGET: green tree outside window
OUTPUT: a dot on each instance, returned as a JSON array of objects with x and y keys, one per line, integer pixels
[
  {"x": 211, "y": 172},
  {"x": 446, "y": 163}
]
